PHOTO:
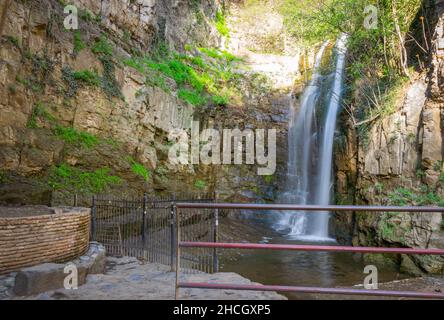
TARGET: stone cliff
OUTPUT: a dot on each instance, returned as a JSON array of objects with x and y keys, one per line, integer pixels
[
  {"x": 77, "y": 110},
  {"x": 397, "y": 159}
]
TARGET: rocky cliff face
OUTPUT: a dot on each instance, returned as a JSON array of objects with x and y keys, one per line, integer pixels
[
  {"x": 398, "y": 161},
  {"x": 38, "y": 56},
  {"x": 68, "y": 101}
]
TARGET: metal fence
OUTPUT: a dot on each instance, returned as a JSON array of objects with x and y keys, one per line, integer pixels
[
  {"x": 183, "y": 243},
  {"x": 144, "y": 228}
]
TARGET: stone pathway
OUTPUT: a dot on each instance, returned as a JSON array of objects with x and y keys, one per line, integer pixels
[{"x": 128, "y": 279}]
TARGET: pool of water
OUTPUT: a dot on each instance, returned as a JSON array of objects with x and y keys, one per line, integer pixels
[{"x": 315, "y": 269}]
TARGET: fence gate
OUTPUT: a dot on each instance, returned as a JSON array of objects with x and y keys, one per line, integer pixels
[{"x": 144, "y": 228}]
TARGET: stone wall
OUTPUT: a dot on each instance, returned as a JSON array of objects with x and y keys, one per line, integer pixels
[
  {"x": 31, "y": 240},
  {"x": 398, "y": 160}
]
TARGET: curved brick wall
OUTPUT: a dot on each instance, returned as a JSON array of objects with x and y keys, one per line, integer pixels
[{"x": 32, "y": 240}]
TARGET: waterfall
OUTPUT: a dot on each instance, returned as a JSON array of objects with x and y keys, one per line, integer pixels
[
  {"x": 324, "y": 183},
  {"x": 307, "y": 182}
]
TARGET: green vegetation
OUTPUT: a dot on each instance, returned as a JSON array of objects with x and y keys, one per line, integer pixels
[
  {"x": 39, "y": 111},
  {"x": 104, "y": 50},
  {"x": 88, "y": 77},
  {"x": 13, "y": 40},
  {"x": 3, "y": 177},
  {"x": 88, "y": 16},
  {"x": 200, "y": 184},
  {"x": 379, "y": 66},
  {"x": 192, "y": 97},
  {"x": 102, "y": 47},
  {"x": 269, "y": 179},
  {"x": 139, "y": 170},
  {"x": 41, "y": 68},
  {"x": 71, "y": 82},
  {"x": 386, "y": 228},
  {"x": 67, "y": 178},
  {"x": 221, "y": 24},
  {"x": 202, "y": 78},
  {"x": 79, "y": 45},
  {"x": 423, "y": 197},
  {"x": 73, "y": 79},
  {"x": 75, "y": 137}
]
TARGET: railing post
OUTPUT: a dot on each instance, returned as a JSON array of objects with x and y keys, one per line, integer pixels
[
  {"x": 75, "y": 200},
  {"x": 177, "y": 220},
  {"x": 173, "y": 233},
  {"x": 144, "y": 206},
  {"x": 93, "y": 218},
  {"x": 215, "y": 236}
]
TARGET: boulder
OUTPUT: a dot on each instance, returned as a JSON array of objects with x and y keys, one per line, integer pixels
[
  {"x": 44, "y": 277},
  {"x": 51, "y": 276}
]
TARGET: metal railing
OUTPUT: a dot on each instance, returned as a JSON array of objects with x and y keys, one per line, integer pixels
[
  {"x": 142, "y": 226},
  {"x": 299, "y": 289}
]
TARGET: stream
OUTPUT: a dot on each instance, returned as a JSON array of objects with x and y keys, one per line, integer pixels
[{"x": 293, "y": 268}]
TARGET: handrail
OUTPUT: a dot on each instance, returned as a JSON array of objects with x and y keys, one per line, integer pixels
[
  {"x": 290, "y": 247},
  {"x": 342, "y": 291},
  {"x": 292, "y": 207},
  {"x": 289, "y": 207}
]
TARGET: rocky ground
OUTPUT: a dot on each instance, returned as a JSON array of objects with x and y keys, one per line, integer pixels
[
  {"x": 424, "y": 284},
  {"x": 129, "y": 279}
]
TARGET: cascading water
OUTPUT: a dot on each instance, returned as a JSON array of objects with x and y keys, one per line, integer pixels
[
  {"x": 308, "y": 183},
  {"x": 324, "y": 183}
]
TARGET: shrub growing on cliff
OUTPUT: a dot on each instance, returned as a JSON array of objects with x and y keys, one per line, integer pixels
[
  {"x": 200, "y": 184},
  {"x": 423, "y": 197},
  {"x": 139, "y": 170},
  {"x": 79, "y": 45},
  {"x": 75, "y": 137},
  {"x": 221, "y": 24},
  {"x": 192, "y": 97},
  {"x": 199, "y": 78},
  {"x": 39, "y": 111},
  {"x": 68, "y": 178},
  {"x": 88, "y": 77}
]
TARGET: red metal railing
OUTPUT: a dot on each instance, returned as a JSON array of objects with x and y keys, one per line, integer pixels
[{"x": 407, "y": 294}]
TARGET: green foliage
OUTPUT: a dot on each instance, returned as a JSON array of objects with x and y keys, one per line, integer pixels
[
  {"x": 379, "y": 187},
  {"x": 139, "y": 170},
  {"x": 437, "y": 166},
  {"x": 200, "y": 184},
  {"x": 208, "y": 75},
  {"x": 269, "y": 179},
  {"x": 102, "y": 47},
  {"x": 68, "y": 178},
  {"x": 41, "y": 68},
  {"x": 126, "y": 36},
  {"x": 104, "y": 50},
  {"x": 220, "y": 100},
  {"x": 3, "y": 177},
  {"x": 192, "y": 97},
  {"x": 109, "y": 82},
  {"x": 73, "y": 79},
  {"x": 386, "y": 228},
  {"x": 88, "y": 16},
  {"x": 13, "y": 40},
  {"x": 75, "y": 137},
  {"x": 88, "y": 77},
  {"x": 39, "y": 111},
  {"x": 378, "y": 64},
  {"x": 71, "y": 82},
  {"x": 221, "y": 24},
  {"x": 404, "y": 197},
  {"x": 79, "y": 45}
]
